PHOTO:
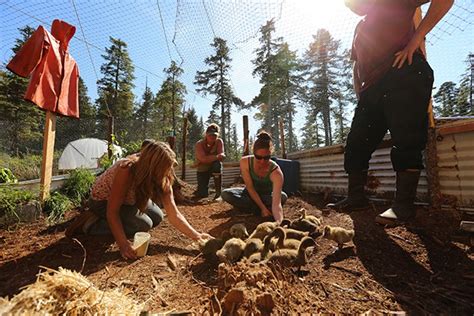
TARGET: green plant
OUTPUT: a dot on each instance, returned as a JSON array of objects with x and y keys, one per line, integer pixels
[
  {"x": 7, "y": 176},
  {"x": 132, "y": 147},
  {"x": 55, "y": 206},
  {"x": 105, "y": 162},
  {"x": 10, "y": 199},
  {"x": 78, "y": 185}
]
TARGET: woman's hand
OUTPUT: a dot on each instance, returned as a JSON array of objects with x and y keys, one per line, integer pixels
[
  {"x": 204, "y": 236},
  {"x": 127, "y": 251},
  {"x": 266, "y": 212}
]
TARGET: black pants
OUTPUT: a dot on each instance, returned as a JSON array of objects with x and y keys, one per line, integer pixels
[
  {"x": 204, "y": 176},
  {"x": 398, "y": 103}
]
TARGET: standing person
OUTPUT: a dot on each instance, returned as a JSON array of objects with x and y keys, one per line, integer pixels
[
  {"x": 209, "y": 156},
  {"x": 263, "y": 180},
  {"x": 393, "y": 82},
  {"x": 123, "y": 199}
]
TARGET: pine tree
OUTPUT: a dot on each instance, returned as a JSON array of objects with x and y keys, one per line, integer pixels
[
  {"x": 23, "y": 120},
  {"x": 169, "y": 102},
  {"x": 115, "y": 88},
  {"x": 344, "y": 97},
  {"x": 445, "y": 99},
  {"x": 215, "y": 80},
  {"x": 322, "y": 61},
  {"x": 195, "y": 132},
  {"x": 143, "y": 114},
  {"x": 270, "y": 98}
]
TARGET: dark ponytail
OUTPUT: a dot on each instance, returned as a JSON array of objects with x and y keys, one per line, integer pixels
[{"x": 263, "y": 141}]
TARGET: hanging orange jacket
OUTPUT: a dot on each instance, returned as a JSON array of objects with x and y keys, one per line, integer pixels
[{"x": 54, "y": 73}]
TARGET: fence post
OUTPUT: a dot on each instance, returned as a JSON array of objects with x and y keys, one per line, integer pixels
[
  {"x": 246, "y": 134},
  {"x": 282, "y": 139},
  {"x": 48, "y": 153},
  {"x": 185, "y": 134}
]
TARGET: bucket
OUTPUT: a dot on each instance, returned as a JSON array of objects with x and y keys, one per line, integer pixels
[{"x": 140, "y": 243}]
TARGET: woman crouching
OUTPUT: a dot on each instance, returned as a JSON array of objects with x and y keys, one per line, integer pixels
[
  {"x": 123, "y": 199},
  {"x": 263, "y": 180}
]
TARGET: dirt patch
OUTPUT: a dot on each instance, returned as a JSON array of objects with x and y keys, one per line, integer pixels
[{"x": 417, "y": 269}]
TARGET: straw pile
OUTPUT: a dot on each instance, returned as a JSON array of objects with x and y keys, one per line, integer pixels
[{"x": 68, "y": 292}]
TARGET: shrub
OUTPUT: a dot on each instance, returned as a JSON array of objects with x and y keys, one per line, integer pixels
[
  {"x": 78, "y": 185},
  {"x": 6, "y": 176},
  {"x": 55, "y": 206},
  {"x": 10, "y": 199},
  {"x": 28, "y": 166}
]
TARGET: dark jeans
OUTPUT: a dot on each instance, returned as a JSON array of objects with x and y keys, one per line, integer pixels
[
  {"x": 240, "y": 199},
  {"x": 398, "y": 103},
  {"x": 204, "y": 176},
  {"x": 132, "y": 219}
]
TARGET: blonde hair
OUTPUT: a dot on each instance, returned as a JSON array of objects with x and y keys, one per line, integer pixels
[
  {"x": 153, "y": 173},
  {"x": 263, "y": 141}
]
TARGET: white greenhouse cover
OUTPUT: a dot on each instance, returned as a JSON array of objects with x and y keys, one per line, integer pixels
[{"x": 85, "y": 153}]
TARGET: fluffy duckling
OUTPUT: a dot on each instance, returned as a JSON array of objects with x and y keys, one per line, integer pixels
[
  {"x": 295, "y": 234},
  {"x": 231, "y": 251},
  {"x": 252, "y": 245},
  {"x": 264, "y": 254},
  {"x": 209, "y": 247},
  {"x": 263, "y": 230},
  {"x": 239, "y": 231},
  {"x": 291, "y": 257},
  {"x": 338, "y": 234},
  {"x": 313, "y": 219},
  {"x": 282, "y": 241},
  {"x": 304, "y": 225}
]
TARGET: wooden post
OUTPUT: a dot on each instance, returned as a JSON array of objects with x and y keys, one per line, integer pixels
[
  {"x": 282, "y": 139},
  {"x": 246, "y": 135},
  {"x": 185, "y": 134},
  {"x": 48, "y": 153},
  {"x": 110, "y": 135},
  {"x": 431, "y": 157}
]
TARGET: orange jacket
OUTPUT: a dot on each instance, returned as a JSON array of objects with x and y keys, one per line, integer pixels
[{"x": 54, "y": 73}]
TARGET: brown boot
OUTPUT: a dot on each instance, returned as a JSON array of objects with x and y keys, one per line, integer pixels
[
  {"x": 76, "y": 226},
  {"x": 218, "y": 185},
  {"x": 356, "y": 199}
]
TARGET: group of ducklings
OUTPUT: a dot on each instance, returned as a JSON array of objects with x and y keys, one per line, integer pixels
[{"x": 284, "y": 244}]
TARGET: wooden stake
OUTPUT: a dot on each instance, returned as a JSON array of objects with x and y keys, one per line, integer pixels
[
  {"x": 185, "y": 134},
  {"x": 282, "y": 139},
  {"x": 246, "y": 135},
  {"x": 48, "y": 153}
]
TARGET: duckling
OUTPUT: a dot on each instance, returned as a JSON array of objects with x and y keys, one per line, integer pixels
[
  {"x": 252, "y": 245},
  {"x": 291, "y": 257},
  {"x": 263, "y": 230},
  {"x": 313, "y": 219},
  {"x": 264, "y": 254},
  {"x": 285, "y": 223},
  {"x": 338, "y": 234},
  {"x": 304, "y": 225},
  {"x": 282, "y": 241},
  {"x": 209, "y": 247},
  {"x": 231, "y": 251},
  {"x": 295, "y": 234},
  {"x": 239, "y": 231}
]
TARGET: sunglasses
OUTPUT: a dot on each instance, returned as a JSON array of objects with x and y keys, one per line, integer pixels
[{"x": 258, "y": 157}]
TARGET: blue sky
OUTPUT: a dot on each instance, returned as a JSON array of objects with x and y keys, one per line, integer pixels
[{"x": 157, "y": 32}]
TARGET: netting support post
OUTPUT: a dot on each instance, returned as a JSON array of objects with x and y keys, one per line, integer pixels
[
  {"x": 185, "y": 134},
  {"x": 246, "y": 134}
]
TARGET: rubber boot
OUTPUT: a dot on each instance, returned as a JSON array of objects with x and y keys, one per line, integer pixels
[
  {"x": 356, "y": 199},
  {"x": 218, "y": 185},
  {"x": 403, "y": 208}
]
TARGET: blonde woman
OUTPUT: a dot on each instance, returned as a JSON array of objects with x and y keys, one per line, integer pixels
[{"x": 123, "y": 199}]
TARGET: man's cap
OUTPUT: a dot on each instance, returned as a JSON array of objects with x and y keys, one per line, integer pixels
[{"x": 212, "y": 130}]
